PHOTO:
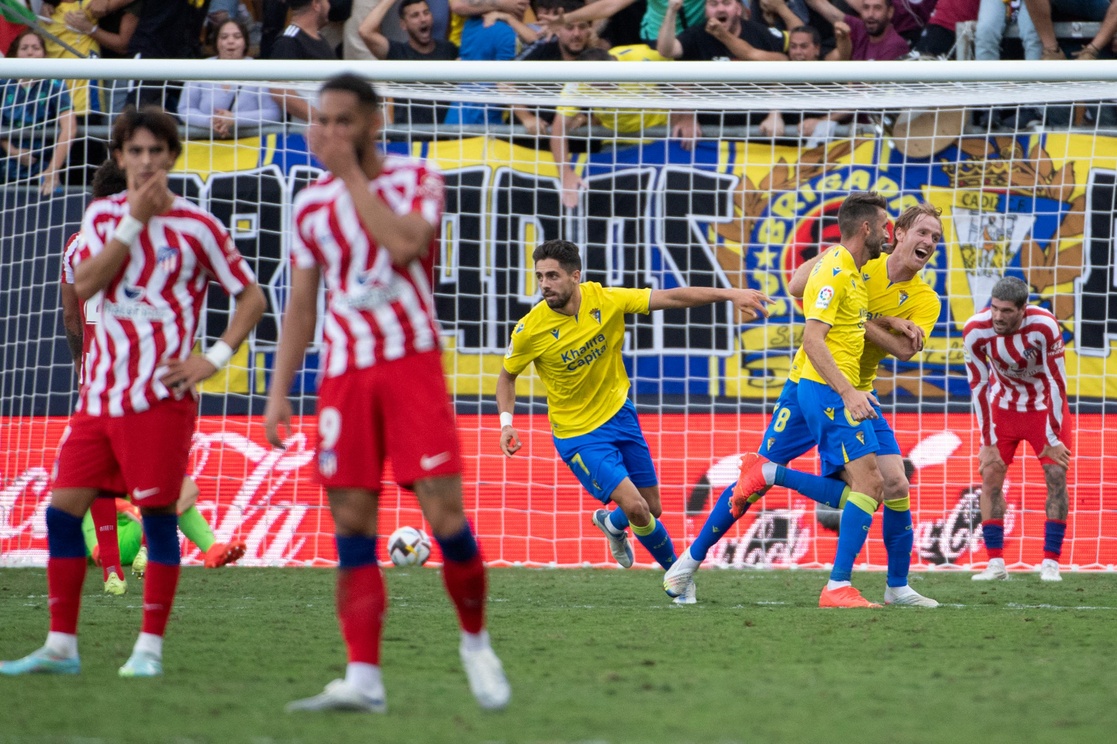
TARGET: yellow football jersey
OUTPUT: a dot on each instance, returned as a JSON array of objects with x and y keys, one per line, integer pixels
[
  {"x": 578, "y": 357},
  {"x": 836, "y": 295},
  {"x": 912, "y": 300}
]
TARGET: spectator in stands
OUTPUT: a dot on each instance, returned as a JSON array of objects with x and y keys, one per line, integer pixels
[
  {"x": 909, "y": 17},
  {"x": 27, "y": 109},
  {"x": 301, "y": 40},
  {"x": 872, "y": 35},
  {"x": 726, "y": 22},
  {"x": 416, "y": 20},
  {"x": 65, "y": 42},
  {"x": 391, "y": 27},
  {"x": 223, "y": 108},
  {"x": 992, "y": 18},
  {"x": 548, "y": 18},
  {"x": 805, "y": 45},
  {"x": 693, "y": 13},
  {"x": 570, "y": 39},
  {"x": 939, "y": 36},
  {"x": 1103, "y": 11},
  {"x": 621, "y": 121},
  {"x": 493, "y": 39},
  {"x": 110, "y": 23},
  {"x": 780, "y": 14},
  {"x": 167, "y": 29}
]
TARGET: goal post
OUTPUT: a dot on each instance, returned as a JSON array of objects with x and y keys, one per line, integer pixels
[{"x": 1020, "y": 157}]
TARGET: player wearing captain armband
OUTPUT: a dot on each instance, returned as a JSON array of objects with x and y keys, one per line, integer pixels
[
  {"x": 151, "y": 256},
  {"x": 368, "y": 230},
  {"x": 1014, "y": 362},
  {"x": 575, "y": 338},
  {"x": 903, "y": 309}
]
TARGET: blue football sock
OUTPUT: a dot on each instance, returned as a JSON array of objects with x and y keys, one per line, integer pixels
[
  {"x": 899, "y": 538},
  {"x": 618, "y": 519},
  {"x": 657, "y": 542},
  {"x": 459, "y": 548},
  {"x": 354, "y": 551},
  {"x": 161, "y": 531},
  {"x": 827, "y": 491},
  {"x": 717, "y": 524},
  {"x": 64, "y": 537},
  {"x": 857, "y": 518},
  {"x": 1053, "y": 532}
]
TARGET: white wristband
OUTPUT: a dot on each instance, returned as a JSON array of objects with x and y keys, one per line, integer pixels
[
  {"x": 219, "y": 354},
  {"x": 127, "y": 230},
  {"x": 505, "y": 419}
]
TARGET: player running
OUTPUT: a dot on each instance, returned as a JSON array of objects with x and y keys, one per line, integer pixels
[
  {"x": 902, "y": 311},
  {"x": 369, "y": 228},
  {"x": 151, "y": 255},
  {"x": 1014, "y": 362},
  {"x": 575, "y": 338}
]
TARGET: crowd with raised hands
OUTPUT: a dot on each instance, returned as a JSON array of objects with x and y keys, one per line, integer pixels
[{"x": 733, "y": 31}]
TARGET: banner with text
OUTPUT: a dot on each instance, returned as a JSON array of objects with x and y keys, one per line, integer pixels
[{"x": 529, "y": 510}]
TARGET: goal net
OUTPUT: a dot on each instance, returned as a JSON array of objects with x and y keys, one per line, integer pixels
[{"x": 674, "y": 175}]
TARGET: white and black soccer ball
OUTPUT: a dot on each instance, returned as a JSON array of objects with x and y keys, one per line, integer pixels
[{"x": 409, "y": 546}]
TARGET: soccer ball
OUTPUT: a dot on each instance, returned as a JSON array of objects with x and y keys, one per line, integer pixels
[{"x": 409, "y": 547}]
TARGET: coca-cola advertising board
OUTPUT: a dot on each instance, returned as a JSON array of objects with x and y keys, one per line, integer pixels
[{"x": 529, "y": 509}]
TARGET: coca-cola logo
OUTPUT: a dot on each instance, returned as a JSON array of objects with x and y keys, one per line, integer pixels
[
  {"x": 957, "y": 535},
  {"x": 776, "y": 539}
]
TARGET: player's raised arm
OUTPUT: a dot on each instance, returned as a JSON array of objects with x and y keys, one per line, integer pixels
[
  {"x": 405, "y": 237},
  {"x": 299, "y": 319},
  {"x": 145, "y": 201},
  {"x": 749, "y": 301},
  {"x": 505, "y": 402}
]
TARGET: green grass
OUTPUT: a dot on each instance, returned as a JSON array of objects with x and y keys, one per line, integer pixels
[{"x": 592, "y": 656}]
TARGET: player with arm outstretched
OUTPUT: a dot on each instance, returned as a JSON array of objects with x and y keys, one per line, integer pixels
[
  {"x": 369, "y": 228},
  {"x": 151, "y": 255},
  {"x": 575, "y": 338},
  {"x": 903, "y": 309},
  {"x": 1014, "y": 363}
]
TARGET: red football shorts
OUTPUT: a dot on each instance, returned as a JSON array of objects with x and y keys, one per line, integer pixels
[
  {"x": 143, "y": 454},
  {"x": 399, "y": 410},
  {"x": 1012, "y": 427}
]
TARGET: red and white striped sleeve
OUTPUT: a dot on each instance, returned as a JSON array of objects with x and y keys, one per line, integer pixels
[
  {"x": 430, "y": 195},
  {"x": 1055, "y": 376},
  {"x": 73, "y": 245},
  {"x": 97, "y": 227},
  {"x": 977, "y": 374}
]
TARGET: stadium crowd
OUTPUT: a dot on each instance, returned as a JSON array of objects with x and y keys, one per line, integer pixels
[{"x": 539, "y": 30}]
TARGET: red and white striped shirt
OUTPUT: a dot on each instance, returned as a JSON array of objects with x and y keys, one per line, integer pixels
[
  {"x": 1021, "y": 371},
  {"x": 90, "y": 310},
  {"x": 375, "y": 311},
  {"x": 150, "y": 309}
]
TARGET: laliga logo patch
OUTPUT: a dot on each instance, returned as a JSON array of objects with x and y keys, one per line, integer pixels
[
  {"x": 825, "y": 296},
  {"x": 327, "y": 463}
]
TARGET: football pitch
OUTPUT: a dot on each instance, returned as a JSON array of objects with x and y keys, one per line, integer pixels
[{"x": 592, "y": 656}]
